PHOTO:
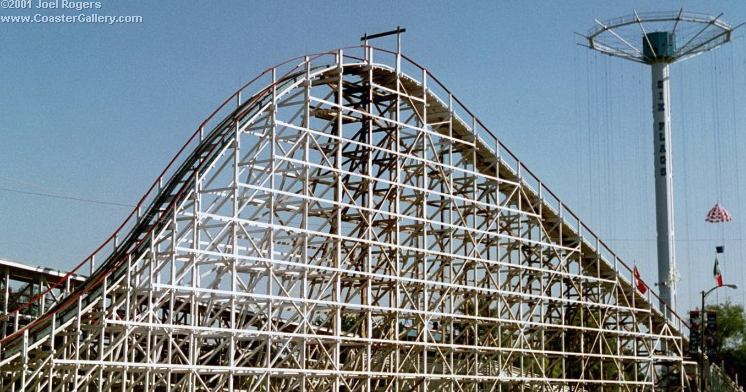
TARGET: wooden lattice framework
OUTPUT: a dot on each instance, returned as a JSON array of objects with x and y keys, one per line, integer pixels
[{"x": 350, "y": 227}]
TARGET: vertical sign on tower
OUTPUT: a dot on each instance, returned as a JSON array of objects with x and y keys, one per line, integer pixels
[
  {"x": 661, "y": 124},
  {"x": 663, "y": 181}
]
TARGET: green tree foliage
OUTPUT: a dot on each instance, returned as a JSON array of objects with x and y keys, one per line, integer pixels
[{"x": 730, "y": 339}]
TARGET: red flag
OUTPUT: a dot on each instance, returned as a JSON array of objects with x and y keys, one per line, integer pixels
[{"x": 639, "y": 283}]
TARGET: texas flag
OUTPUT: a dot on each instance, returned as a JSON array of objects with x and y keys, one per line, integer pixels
[{"x": 717, "y": 274}]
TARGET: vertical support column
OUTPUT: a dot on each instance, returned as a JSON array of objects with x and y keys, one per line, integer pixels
[
  {"x": 338, "y": 300},
  {"x": 234, "y": 270},
  {"x": 272, "y": 335},
  {"x": 172, "y": 280},
  {"x": 194, "y": 308},
  {"x": 5, "y": 310},
  {"x": 370, "y": 204},
  {"x": 399, "y": 383},
  {"x": 425, "y": 265},
  {"x": 305, "y": 291},
  {"x": 24, "y": 355},
  {"x": 101, "y": 337},
  {"x": 125, "y": 355},
  {"x": 663, "y": 185},
  {"x": 452, "y": 269}
]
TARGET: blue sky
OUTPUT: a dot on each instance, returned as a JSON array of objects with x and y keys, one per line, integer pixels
[{"x": 96, "y": 111}]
